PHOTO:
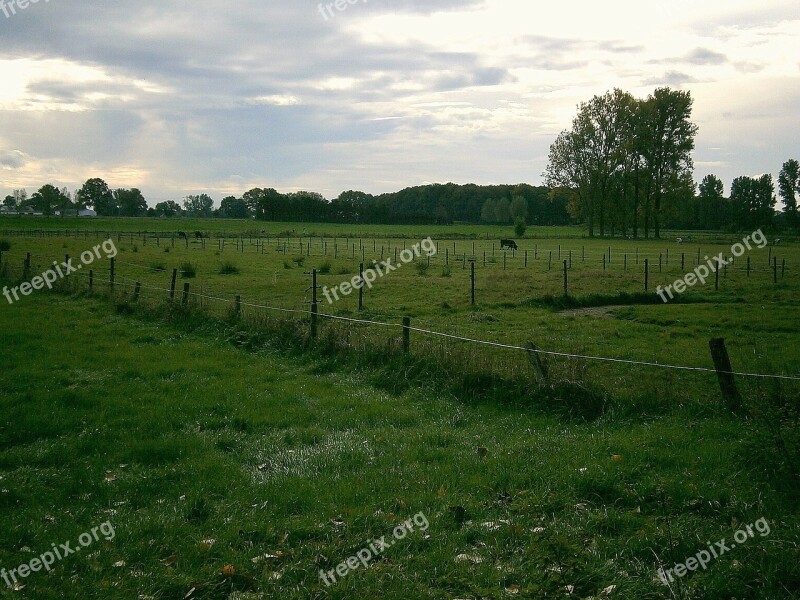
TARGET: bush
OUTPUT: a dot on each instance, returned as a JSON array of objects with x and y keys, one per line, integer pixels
[
  {"x": 5, "y": 245},
  {"x": 228, "y": 268},
  {"x": 324, "y": 268},
  {"x": 446, "y": 271},
  {"x": 520, "y": 227},
  {"x": 188, "y": 270},
  {"x": 422, "y": 268}
]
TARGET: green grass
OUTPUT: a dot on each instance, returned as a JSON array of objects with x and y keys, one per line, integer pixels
[{"x": 180, "y": 430}]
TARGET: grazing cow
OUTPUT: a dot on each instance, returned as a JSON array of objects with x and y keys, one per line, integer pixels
[
  {"x": 508, "y": 244},
  {"x": 182, "y": 235}
]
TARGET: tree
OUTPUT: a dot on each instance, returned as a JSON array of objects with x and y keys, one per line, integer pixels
[
  {"x": 789, "y": 187},
  {"x": 520, "y": 227},
  {"x": 96, "y": 194},
  {"x": 48, "y": 199},
  {"x": 586, "y": 157},
  {"x": 170, "y": 208},
  {"x": 131, "y": 203},
  {"x": 503, "y": 211},
  {"x": 10, "y": 201},
  {"x": 489, "y": 211},
  {"x": 21, "y": 197},
  {"x": 667, "y": 140},
  {"x": 519, "y": 207},
  {"x": 198, "y": 206},
  {"x": 233, "y": 208}
]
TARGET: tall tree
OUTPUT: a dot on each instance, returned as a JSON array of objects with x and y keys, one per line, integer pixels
[
  {"x": 587, "y": 157},
  {"x": 198, "y": 206},
  {"x": 667, "y": 140},
  {"x": 489, "y": 211},
  {"x": 519, "y": 207},
  {"x": 96, "y": 194},
  {"x": 503, "y": 211},
  {"x": 170, "y": 208},
  {"x": 789, "y": 187},
  {"x": 131, "y": 203},
  {"x": 48, "y": 199}
]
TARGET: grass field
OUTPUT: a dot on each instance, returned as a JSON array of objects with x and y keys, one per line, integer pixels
[{"x": 235, "y": 459}]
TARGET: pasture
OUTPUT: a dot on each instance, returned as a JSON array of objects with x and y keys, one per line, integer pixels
[{"x": 236, "y": 458}]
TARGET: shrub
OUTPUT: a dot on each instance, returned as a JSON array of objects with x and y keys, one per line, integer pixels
[
  {"x": 5, "y": 245},
  {"x": 188, "y": 270},
  {"x": 446, "y": 271},
  {"x": 228, "y": 268},
  {"x": 422, "y": 268},
  {"x": 324, "y": 268},
  {"x": 520, "y": 227}
]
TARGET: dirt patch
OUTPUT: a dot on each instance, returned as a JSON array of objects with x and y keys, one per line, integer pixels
[{"x": 598, "y": 312}]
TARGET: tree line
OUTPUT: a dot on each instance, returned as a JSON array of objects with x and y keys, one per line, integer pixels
[{"x": 627, "y": 169}]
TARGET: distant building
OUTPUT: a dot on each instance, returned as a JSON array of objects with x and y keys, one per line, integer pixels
[{"x": 76, "y": 212}]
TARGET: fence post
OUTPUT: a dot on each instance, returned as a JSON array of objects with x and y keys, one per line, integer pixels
[
  {"x": 550, "y": 262},
  {"x": 538, "y": 363},
  {"x": 727, "y": 384},
  {"x": 775, "y": 269},
  {"x": 314, "y": 306},
  {"x": 748, "y": 266},
  {"x": 238, "y": 306},
  {"x": 185, "y": 298},
  {"x": 172, "y": 284},
  {"x": 113, "y": 273},
  {"x": 646, "y": 274},
  {"x": 361, "y": 288},
  {"x": 783, "y": 268},
  {"x": 716, "y": 279},
  {"x": 136, "y": 291},
  {"x": 27, "y": 264},
  {"x": 683, "y": 261},
  {"x": 472, "y": 277},
  {"x": 406, "y": 334},
  {"x": 566, "y": 289}
]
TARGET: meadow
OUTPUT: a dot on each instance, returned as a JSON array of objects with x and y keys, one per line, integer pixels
[{"x": 236, "y": 458}]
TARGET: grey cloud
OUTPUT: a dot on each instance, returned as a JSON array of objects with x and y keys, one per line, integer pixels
[
  {"x": 675, "y": 78},
  {"x": 12, "y": 159},
  {"x": 704, "y": 56}
]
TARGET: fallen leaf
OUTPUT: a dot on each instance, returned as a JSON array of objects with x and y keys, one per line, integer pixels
[
  {"x": 608, "y": 590},
  {"x": 119, "y": 563},
  {"x": 616, "y": 457},
  {"x": 229, "y": 570}
]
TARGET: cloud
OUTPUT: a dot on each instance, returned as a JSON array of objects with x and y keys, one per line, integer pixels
[
  {"x": 704, "y": 56},
  {"x": 13, "y": 159},
  {"x": 675, "y": 78}
]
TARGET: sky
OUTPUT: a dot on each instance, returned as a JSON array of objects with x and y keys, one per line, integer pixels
[{"x": 178, "y": 98}]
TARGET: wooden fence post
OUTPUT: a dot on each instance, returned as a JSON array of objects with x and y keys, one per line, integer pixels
[
  {"x": 173, "y": 284},
  {"x": 566, "y": 288},
  {"x": 646, "y": 274},
  {"x": 136, "y": 291},
  {"x": 472, "y": 277},
  {"x": 538, "y": 363},
  {"x": 314, "y": 305},
  {"x": 185, "y": 298},
  {"x": 406, "y": 334},
  {"x": 238, "y": 306},
  {"x": 775, "y": 269},
  {"x": 727, "y": 384},
  {"x": 361, "y": 288},
  {"x": 91, "y": 280}
]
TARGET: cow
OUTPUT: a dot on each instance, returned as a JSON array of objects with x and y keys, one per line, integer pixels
[
  {"x": 182, "y": 235},
  {"x": 508, "y": 244},
  {"x": 198, "y": 235}
]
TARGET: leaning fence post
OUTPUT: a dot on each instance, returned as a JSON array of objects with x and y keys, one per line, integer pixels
[
  {"x": 538, "y": 363},
  {"x": 406, "y": 334},
  {"x": 185, "y": 298},
  {"x": 727, "y": 384}
]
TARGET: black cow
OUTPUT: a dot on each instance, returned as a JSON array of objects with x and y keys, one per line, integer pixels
[
  {"x": 508, "y": 244},
  {"x": 182, "y": 235}
]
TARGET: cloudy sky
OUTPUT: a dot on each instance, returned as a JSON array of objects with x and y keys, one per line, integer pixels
[{"x": 178, "y": 97}]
